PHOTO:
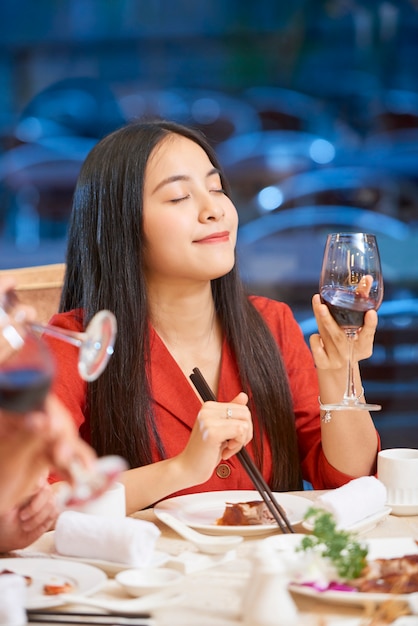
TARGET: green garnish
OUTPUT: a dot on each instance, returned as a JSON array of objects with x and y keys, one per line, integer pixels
[{"x": 341, "y": 547}]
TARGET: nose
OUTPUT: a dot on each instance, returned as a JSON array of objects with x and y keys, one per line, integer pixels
[{"x": 211, "y": 208}]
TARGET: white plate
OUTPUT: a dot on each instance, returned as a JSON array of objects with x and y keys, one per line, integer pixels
[
  {"x": 378, "y": 547},
  {"x": 363, "y": 525},
  {"x": 385, "y": 548},
  {"x": 355, "y": 598},
  {"x": 201, "y": 510},
  {"x": 85, "y": 579},
  {"x": 111, "y": 568},
  {"x": 404, "y": 509},
  {"x": 390, "y": 547}
]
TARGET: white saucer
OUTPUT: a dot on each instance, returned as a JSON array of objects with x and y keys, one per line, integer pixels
[
  {"x": 284, "y": 543},
  {"x": 112, "y": 567},
  {"x": 404, "y": 509}
]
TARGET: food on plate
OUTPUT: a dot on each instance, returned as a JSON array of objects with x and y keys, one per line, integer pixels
[
  {"x": 245, "y": 514},
  {"x": 51, "y": 589},
  {"x": 337, "y": 560},
  {"x": 56, "y": 589},
  {"x": 28, "y": 579},
  {"x": 396, "y": 575}
]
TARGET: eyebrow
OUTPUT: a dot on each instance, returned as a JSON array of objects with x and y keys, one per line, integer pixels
[{"x": 176, "y": 177}]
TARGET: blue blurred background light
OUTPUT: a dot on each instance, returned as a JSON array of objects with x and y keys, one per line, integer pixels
[
  {"x": 205, "y": 110},
  {"x": 269, "y": 198},
  {"x": 322, "y": 151}
]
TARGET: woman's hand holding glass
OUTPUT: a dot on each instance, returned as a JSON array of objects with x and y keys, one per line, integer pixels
[
  {"x": 329, "y": 345},
  {"x": 351, "y": 285}
]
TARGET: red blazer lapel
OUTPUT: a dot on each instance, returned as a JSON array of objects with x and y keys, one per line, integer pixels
[{"x": 171, "y": 390}]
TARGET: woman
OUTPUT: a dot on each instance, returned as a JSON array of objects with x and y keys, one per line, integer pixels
[{"x": 152, "y": 238}]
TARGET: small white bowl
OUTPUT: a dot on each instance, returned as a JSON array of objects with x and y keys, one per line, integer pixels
[
  {"x": 284, "y": 543},
  {"x": 138, "y": 582}
]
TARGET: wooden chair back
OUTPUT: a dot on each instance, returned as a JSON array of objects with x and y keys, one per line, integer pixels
[{"x": 40, "y": 286}]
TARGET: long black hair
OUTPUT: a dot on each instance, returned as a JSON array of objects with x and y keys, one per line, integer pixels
[{"x": 105, "y": 271}]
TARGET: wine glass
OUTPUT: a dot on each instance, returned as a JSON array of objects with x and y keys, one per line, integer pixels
[
  {"x": 95, "y": 343},
  {"x": 351, "y": 283},
  {"x": 26, "y": 368}
]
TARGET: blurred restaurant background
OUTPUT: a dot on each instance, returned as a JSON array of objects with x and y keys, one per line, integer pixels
[{"x": 311, "y": 105}]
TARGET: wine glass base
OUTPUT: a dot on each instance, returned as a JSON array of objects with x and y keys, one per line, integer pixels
[
  {"x": 351, "y": 405},
  {"x": 97, "y": 346}
]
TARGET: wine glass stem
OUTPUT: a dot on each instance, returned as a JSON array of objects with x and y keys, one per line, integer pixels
[
  {"x": 70, "y": 336},
  {"x": 350, "y": 393}
]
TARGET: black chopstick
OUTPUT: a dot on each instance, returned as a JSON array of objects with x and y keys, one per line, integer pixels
[
  {"x": 252, "y": 470},
  {"x": 99, "y": 619}
]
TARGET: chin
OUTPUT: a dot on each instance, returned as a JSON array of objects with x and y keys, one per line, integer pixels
[{"x": 217, "y": 270}]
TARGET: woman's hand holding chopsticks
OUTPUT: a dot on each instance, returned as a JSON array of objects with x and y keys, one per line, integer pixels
[{"x": 220, "y": 431}]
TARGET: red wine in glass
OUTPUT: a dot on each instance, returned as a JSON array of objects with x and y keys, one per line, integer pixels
[
  {"x": 23, "y": 390},
  {"x": 25, "y": 375},
  {"x": 347, "y": 307}
]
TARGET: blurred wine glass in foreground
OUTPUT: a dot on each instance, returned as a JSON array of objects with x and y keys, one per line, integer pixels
[
  {"x": 351, "y": 283},
  {"x": 95, "y": 344},
  {"x": 27, "y": 371}
]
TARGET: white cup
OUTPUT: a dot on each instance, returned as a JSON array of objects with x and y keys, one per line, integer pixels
[
  {"x": 112, "y": 503},
  {"x": 397, "y": 469},
  {"x": 12, "y": 600}
]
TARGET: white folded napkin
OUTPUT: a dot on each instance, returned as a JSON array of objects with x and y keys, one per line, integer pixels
[
  {"x": 120, "y": 540},
  {"x": 12, "y": 600},
  {"x": 354, "y": 501}
]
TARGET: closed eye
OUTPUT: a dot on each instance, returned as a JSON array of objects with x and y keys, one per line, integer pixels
[{"x": 176, "y": 200}]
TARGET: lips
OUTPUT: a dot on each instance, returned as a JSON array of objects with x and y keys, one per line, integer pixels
[{"x": 215, "y": 238}]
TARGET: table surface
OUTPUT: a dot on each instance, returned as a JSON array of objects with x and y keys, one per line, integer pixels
[{"x": 213, "y": 595}]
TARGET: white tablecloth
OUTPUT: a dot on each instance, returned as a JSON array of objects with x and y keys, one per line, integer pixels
[{"x": 213, "y": 596}]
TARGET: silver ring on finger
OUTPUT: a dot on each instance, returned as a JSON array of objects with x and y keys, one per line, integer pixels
[{"x": 228, "y": 413}]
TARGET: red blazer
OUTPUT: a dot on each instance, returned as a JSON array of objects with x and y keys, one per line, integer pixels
[{"x": 176, "y": 404}]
